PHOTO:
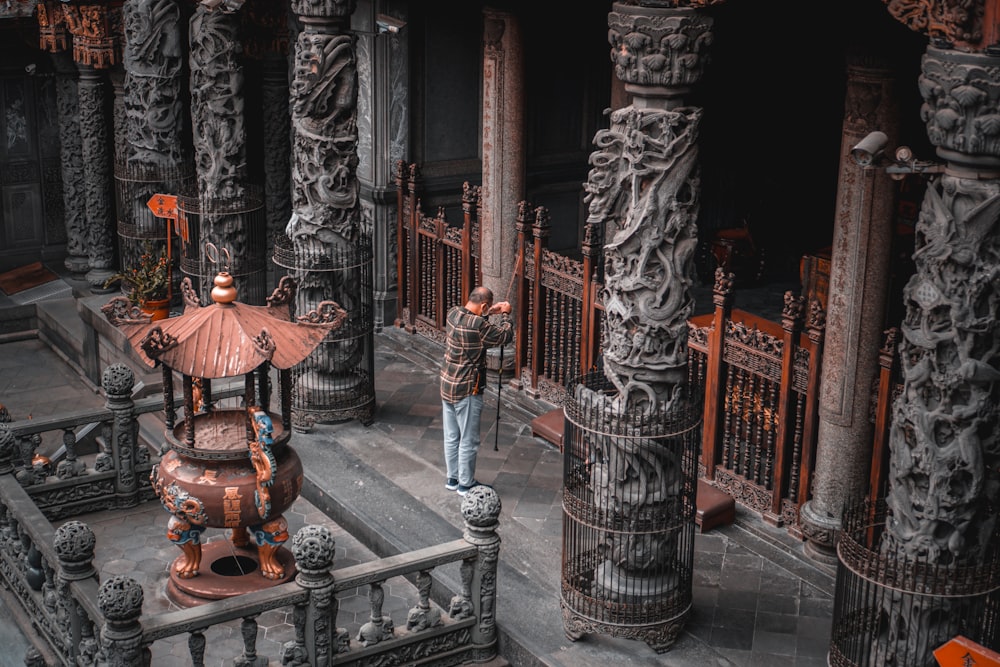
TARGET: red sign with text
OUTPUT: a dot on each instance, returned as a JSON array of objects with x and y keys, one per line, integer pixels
[{"x": 962, "y": 652}]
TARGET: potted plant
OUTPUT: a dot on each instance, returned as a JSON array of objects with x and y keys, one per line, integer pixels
[{"x": 148, "y": 283}]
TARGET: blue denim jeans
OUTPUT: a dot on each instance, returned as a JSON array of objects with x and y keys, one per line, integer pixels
[{"x": 461, "y": 437}]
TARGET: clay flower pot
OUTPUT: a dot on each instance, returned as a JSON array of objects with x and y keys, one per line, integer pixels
[{"x": 157, "y": 309}]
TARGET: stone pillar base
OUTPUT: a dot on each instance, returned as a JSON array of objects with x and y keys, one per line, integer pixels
[{"x": 820, "y": 533}]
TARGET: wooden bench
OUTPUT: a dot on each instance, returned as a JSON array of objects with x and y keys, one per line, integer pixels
[
  {"x": 714, "y": 507},
  {"x": 549, "y": 426}
]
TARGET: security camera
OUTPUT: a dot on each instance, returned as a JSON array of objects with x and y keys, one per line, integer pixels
[
  {"x": 388, "y": 23},
  {"x": 869, "y": 149}
]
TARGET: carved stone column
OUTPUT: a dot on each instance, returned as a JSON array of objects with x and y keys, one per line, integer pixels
[
  {"x": 226, "y": 208},
  {"x": 152, "y": 155},
  {"x": 859, "y": 281},
  {"x": 217, "y": 104},
  {"x": 94, "y": 126},
  {"x": 324, "y": 246},
  {"x": 267, "y": 41},
  {"x": 643, "y": 190},
  {"x": 503, "y": 149},
  {"x": 116, "y": 76},
  {"x": 71, "y": 160},
  {"x": 324, "y": 129},
  {"x": 96, "y": 48},
  {"x": 383, "y": 130},
  {"x": 155, "y": 117},
  {"x": 944, "y": 462}
]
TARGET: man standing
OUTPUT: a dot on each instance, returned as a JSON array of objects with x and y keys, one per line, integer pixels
[{"x": 463, "y": 381}]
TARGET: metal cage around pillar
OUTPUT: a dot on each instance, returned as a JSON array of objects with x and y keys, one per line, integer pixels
[
  {"x": 891, "y": 610},
  {"x": 337, "y": 381},
  {"x": 629, "y": 485},
  {"x": 237, "y": 224},
  {"x": 136, "y": 184}
]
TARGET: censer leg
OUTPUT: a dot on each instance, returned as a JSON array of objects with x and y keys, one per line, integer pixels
[
  {"x": 187, "y": 536},
  {"x": 240, "y": 538},
  {"x": 269, "y": 537}
]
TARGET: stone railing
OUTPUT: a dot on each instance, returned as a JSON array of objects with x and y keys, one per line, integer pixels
[
  {"x": 81, "y": 617},
  {"x": 102, "y": 463}
]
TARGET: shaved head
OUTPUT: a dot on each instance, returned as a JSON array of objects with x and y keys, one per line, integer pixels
[{"x": 481, "y": 295}]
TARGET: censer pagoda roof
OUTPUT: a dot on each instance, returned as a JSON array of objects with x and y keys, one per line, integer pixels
[{"x": 226, "y": 338}]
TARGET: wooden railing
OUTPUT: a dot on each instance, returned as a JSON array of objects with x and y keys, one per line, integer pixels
[
  {"x": 83, "y": 619},
  {"x": 437, "y": 263},
  {"x": 760, "y": 379},
  {"x": 761, "y": 387},
  {"x": 558, "y": 324}
]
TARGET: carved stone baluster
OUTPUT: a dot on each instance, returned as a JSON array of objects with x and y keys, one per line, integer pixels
[
  {"x": 104, "y": 460},
  {"x": 70, "y": 466},
  {"x": 461, "y": 604},
  {"x": 87, "y": 652},
  {"x": 196, "y": 648},
  {"x": 313, "y": 548},
  {"x": 117, "y": 381},
  {"x": 27, "y": 446},
  {"x": 422, "y": 616},
  {"x": 33, "y": 571},
  {"x": 294, "y": 652},
  {"x": 248, "y": 630},
  {"x": 378, "y": 627},
  {"x": 6, "y": 529},
  {"x": 7, "y": 449},
  {"x": 74, "y": 544},
  {"x": 14, "y": 538},
  {"x": 120, "y": 601},
  {"x": 49, "y": 595}
]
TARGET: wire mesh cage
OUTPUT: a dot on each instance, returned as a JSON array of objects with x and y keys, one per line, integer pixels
[
  {"x": 337, "y": 381},
  {"x": 237, "y": 224},
  {"x": 143, "y": 226},
  {"x": 629, "y": 485},
  {"x": 891, "y": 610}
]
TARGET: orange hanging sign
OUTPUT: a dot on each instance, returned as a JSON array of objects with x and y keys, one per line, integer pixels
[
  {"x": 163, "y": 206},
  {"x": 963, "y": 652}
]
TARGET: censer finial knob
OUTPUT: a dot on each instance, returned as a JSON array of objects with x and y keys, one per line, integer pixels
[{"x": 223, "y": 292}]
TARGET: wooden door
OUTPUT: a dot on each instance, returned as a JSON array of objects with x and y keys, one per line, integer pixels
[{"x": 31, "y": 208}]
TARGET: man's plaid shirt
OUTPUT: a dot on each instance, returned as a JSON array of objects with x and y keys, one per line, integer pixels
[{"x": 469, "y": 336}]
